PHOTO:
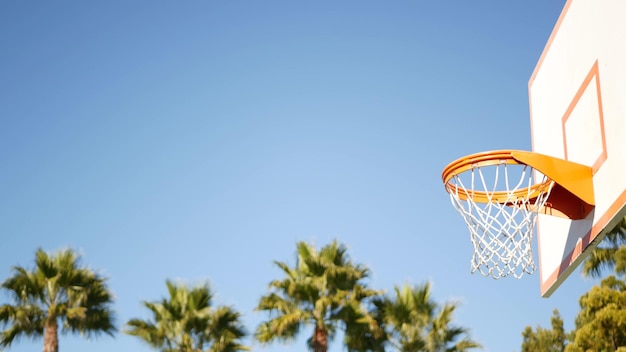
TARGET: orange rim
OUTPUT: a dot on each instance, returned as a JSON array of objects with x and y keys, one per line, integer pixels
[{"x": 477, "y": 160}]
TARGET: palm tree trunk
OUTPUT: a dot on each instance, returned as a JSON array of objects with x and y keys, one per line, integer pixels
[
  {"x": 51, "y": 336},
  {"x": 320, "y": 340}
]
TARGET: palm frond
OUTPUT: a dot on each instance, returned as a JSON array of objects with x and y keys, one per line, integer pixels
[
  {"x": 20, "y": 321},
  {"x": 146, "y": 331},
  {"x": 24, "y": 286},
  {"x": 607, "y": 253},
  {"x": 284, "y": 327}
]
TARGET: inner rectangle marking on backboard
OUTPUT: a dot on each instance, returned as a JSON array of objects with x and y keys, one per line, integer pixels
[{"x": 584, "y": 119}]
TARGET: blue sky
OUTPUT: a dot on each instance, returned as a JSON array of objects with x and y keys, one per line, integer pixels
[{"x": 200, "y": 140}]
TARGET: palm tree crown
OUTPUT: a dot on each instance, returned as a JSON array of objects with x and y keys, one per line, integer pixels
[
  {"x": 187, "y": 322},
  {"x": 414, "y": 322},
  {"x": 57, "y": 290},
  {"x": 324, "y": 290}
]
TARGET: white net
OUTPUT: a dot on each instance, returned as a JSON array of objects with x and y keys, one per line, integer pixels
[{"x": 499, "y": 203}]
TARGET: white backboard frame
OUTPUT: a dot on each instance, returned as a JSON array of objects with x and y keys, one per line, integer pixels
[{"x": 577, "y": 97}]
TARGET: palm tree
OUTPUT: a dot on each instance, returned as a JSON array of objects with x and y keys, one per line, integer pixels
[
  {"x": 57, "y": 291},
  {"x": 611, "y": 253},
  {"x": 414, "y": 322},
  {"x": 187, "y": 322},
  {"x": 324, "y": 290}
]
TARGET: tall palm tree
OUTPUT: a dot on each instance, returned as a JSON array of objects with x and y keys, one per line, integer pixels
[
  {"x": 58, "y": 290},
  {"x": 187, "y": 322},
  {"x": 325, "y": 289},
  {"x": 611, "y": 253},
  {"x": 414, "y": 322}
]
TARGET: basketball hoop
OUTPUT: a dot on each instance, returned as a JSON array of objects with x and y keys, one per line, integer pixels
[
  {"x": 499, "y": 195},
  {"x": 499, "y": 201}
]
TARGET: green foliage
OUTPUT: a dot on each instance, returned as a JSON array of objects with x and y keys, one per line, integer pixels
[
  {"x": 610, "y": 254},
  {"x": 601, "y": 323},
  {"x": 325, "y": 290},
  {"x": 412, "y": 321},
  {"x": 545, "y": 340},
  {"x": 187, "y": 322},
  {"x": 57, "y": 290}
]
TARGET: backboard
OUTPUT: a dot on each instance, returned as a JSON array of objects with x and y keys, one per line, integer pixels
[{"x": 577, "y": 96}]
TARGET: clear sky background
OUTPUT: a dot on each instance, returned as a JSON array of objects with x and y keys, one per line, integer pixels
[{"x": 200, "y": 140}]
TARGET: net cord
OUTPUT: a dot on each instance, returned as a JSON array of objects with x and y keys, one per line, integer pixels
[{"x": 500, "y": 231}]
